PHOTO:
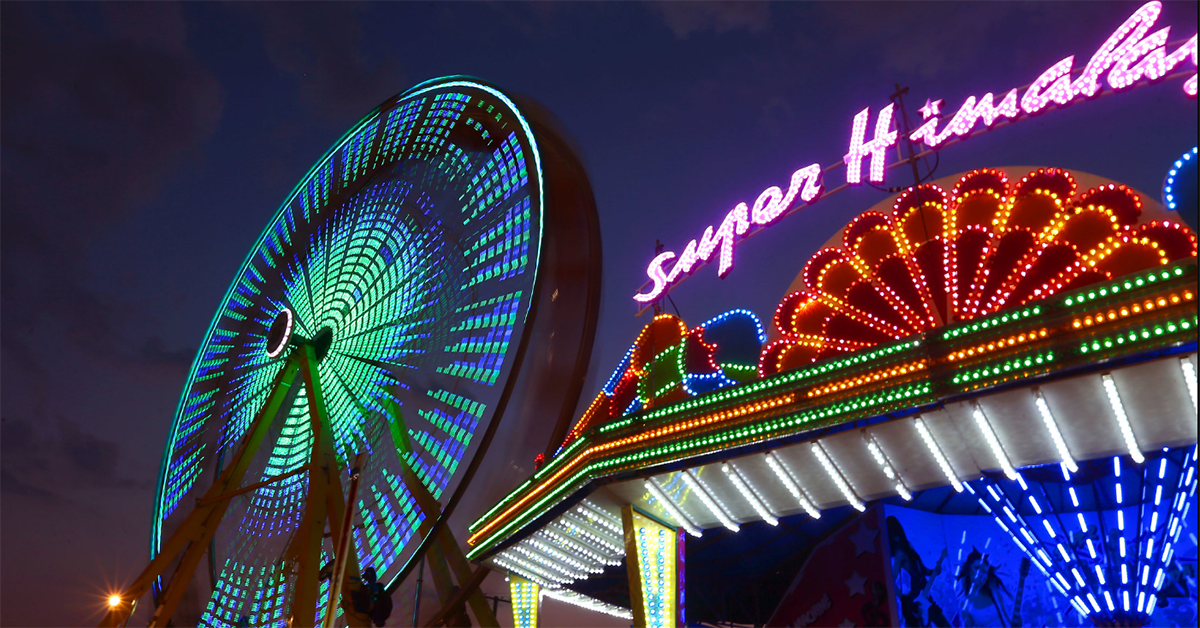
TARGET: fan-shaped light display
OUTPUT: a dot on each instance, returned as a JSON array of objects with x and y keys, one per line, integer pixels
[
  {"x": 943, "y": 257},
  {"x": 407, "y": 258}
]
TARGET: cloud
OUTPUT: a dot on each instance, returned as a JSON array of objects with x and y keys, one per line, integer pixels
[
  {"x": 322, "y": 48},
  {"x": 95, "y": 121},
  {"x": 685, "y": 18},
  {"x": 47, "y": 459}
]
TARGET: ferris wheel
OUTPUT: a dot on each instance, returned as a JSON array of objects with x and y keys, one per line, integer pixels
[{"x": 360, "y": 363}]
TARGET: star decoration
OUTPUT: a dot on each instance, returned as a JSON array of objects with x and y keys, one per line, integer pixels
[
  {"x": 864, "y": 540},
  {"x": 846, "y": 623},
  {"x": 932, "y": 108},
  {"x": 855, "y": 583}
]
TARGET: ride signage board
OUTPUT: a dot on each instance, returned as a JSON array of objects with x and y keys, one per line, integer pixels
[{"x": 1132, "y": 56}]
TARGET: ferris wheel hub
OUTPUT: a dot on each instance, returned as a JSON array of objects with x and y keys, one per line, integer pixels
[
  {"x": 279, "y": 333},
  {"x": 321, "y": 342}
]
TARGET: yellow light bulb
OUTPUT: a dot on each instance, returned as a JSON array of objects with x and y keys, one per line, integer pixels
[{"x": 114, "y": 601}]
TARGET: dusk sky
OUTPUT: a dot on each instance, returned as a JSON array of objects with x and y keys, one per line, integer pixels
[{"x": 143, "y": 148}]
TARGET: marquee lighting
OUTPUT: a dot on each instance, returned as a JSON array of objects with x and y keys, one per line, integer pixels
[
  {"x": 580, "y": 548},
  {"x": 559, "y": 570},
  {"x": 964, "y": 121},
  {"x": 609, "y": 542},
  {"x": 749, "y": 494},
  {"x": 606, "y": 545},
  {"x": 792, "y": 486},
  {"x": 512, "y": 568},
  {"x": 1118, "y": 408},
  {"x": 588, "y": 603},
  {"x": 598, "y": 520},
  {"x": 708, "y": 500},
  {"x": 671, "y": 507},
  {"x": 937, "y": 454},
  {"x": 1189, "y": 377},
  {"x": 1055, "y": 435},
  {"x": 1131, "y": 56},
  {"x": 882, "y": 460},
  {"x": 529, "y": 570},
  {"x": 760, "y": 412},
  {"x": 285, "y": 320},
  {"x": 838, "y": 479},
  {"x": 993, "y": 442},
  {"x": 563, "y": 557}
]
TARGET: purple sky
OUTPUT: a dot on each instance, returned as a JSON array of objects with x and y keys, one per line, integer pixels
[{"x": 145, "y": 146}]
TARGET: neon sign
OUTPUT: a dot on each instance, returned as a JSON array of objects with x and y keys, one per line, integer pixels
[{"x": 1131, "y": 56}]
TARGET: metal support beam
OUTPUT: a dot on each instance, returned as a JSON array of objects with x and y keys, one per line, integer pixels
[
  {"x": 251, "y": 487},
  {"x": 197, "y": 529},
  {"x": 445, "y": 556},
  {"x": 323, "y": 502}
]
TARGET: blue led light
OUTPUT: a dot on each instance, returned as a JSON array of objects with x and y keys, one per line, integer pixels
[
  {"x": 1085, "y": 563},
  {"x": 1172, "y": 183}
]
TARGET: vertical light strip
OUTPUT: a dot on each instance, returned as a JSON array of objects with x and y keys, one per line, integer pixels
[
  {"x": 749, "y": 494},
  {"x": 525, "y": 596},
  {"x": 884, "y": 463},
  {"x": 1118, "y": 408},
  {"x": 672, "y": 508},
  {"x": 837, "y": 478},
  {"x": 994, "y": 442},
  {"x": 652, "y": 570},
  {"x": 709, "y": 502},
  {"x": 788, "y": 481},
  {"x": 1189, "y": 377},
  {"x": 1055, "y": 434},
  {"x": 937, "y": 454}
]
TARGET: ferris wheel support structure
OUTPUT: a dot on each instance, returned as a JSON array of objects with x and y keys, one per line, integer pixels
[{"x": 323, "y": 504}]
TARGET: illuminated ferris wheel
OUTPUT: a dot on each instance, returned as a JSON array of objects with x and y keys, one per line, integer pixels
[{"x": 360, "y": 362}]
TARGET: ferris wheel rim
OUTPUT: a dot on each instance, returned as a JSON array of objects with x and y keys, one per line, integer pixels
[{"x": 457, "y": 81}]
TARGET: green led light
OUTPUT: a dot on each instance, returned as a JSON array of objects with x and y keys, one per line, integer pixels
[
  {"x": 993, "y": 321},
  {"x": 1015, "y": 365},
  {"x": 1128, "y": 283},
  {"x": 1138, "y": 336}
]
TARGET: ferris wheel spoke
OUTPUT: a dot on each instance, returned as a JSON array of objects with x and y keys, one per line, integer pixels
[{"x": 402, "y": 290}]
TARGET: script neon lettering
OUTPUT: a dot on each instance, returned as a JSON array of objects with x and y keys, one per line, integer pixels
[
  {"x": 1129, "y": 56},
  {"x": 656, "y": 274},
  {"x": 963, "y": 121},
  {"x": 719, "y": 242},
  {"x": 876, "y": 148},
  {"x": 1115, "y": 47}
]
